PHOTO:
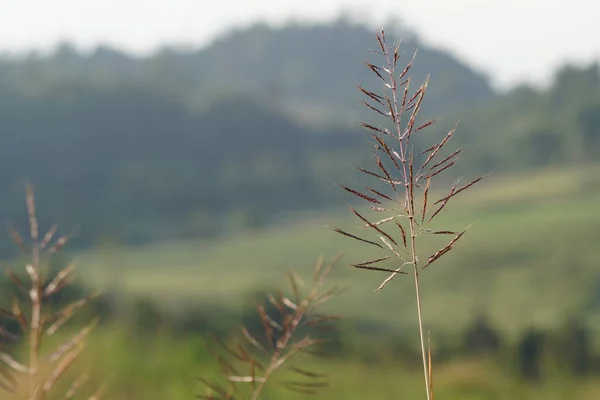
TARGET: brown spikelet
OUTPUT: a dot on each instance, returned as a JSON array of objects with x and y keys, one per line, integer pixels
[
  {"x": 381, "y": 41},
  {"x": 441, "y": 206},
  {"x": 439, "y": 171},
  {"x": 338, "y": 230},
  {"x": 373, "y": 174},
  {"x": 375, "y": 261},
  {"x": 385, "y": 172},
  {"x": 361, "y": 195},
  {"x": 392, "y": 111},
  {"x": 383, "y": 146},
  {"x": 376, "y": 70},
  {"x": 371, "y": 225},
  {"x": 428, "y": 150},
  {"x": 451, "y": 156},
  {"x": 378, "y": 111},
  {"x": 408, "y": 66},
  {"x": 425, "y": 196},
  {"x": 372, "y": 268},
  {"x": 418, "y": 94},
  {"x": 378, "y": 193},
  {"x": 404, "y": 98},
  {"x": 435, "y": 149},
  {"x": 396, "y": 55},
  {"x": 438, "y": 254},
  {"x": 426, "y": 124},
  {"x": 403, "y": 234},
  {"x": 372, "y": 95},
  {"x": 462, "y": 188},
  {"x": 413, "y": 117},
  {"x": 374, "y": 128}
]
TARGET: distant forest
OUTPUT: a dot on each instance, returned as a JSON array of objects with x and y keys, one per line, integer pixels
[{"x": 235, "y": 136}]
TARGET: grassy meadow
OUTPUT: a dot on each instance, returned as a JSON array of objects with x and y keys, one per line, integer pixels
[
  {"x": 533, "y": 237},
  {"x": 529, "y": 261}
]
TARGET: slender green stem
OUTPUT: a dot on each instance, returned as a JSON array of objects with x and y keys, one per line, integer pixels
[
  {"x": 408, "y": 184},
  {"x": 422, "y": 336},
  {"x": 418, "y": 297}
]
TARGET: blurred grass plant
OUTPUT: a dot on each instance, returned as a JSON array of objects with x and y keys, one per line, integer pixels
[
  {"x": 291, "y": 327},
  {"x": 36, "y": 378}
]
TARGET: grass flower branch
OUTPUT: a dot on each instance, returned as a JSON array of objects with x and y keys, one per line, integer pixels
[{"x": 407, "y": 175}]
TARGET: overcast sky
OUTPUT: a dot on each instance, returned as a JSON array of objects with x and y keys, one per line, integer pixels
[{"x": 512, "y": 40}]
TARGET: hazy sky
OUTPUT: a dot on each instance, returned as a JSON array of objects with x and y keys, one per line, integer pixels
[{"x": 512, "y": 40}]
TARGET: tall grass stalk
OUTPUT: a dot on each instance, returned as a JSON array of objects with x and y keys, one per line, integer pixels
[{"x": 407, "y": 173}]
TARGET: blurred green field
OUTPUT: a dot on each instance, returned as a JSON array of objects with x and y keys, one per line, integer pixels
[
  {"x": 530, "y": 258},
  {"x": 160, "y": 367}
]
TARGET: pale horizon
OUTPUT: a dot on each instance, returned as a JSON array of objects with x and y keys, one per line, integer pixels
[{"x": 510, "y": 41}]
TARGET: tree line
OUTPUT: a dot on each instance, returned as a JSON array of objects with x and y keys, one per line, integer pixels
[{"x": 200, "y": 143}]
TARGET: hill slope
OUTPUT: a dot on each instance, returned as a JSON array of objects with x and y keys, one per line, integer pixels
[{"x": 309, "y": 70}]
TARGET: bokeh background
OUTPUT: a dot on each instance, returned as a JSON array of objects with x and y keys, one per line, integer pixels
[{"x": 192, "y": 150}]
